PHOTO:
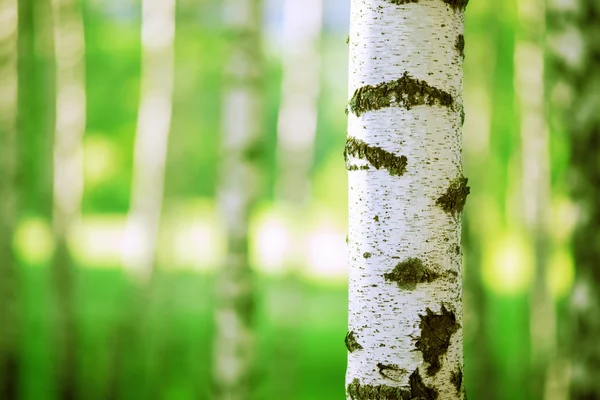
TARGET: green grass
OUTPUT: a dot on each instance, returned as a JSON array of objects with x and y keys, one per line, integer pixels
[{"x": 164, "y": 351}]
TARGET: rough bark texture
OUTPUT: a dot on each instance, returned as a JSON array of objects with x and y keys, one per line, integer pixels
[
  {"x": 573, "y": 41},
  {"x": 68, "y": 176},
  {"x": 406, "y": 195},
  {"x": 154, "y": 120},
  {"x": 239, "y": 188},
  {"x": 9, "y": 313}
]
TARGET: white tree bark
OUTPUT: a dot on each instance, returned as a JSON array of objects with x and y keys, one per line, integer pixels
[
  {"x": 239, "y": 183},
  {"x": 406, "y": 194},
  {"x": 9, "y": 327},
  {"x": 154, "y": 121},
  {"x": 297, "y": 120}
]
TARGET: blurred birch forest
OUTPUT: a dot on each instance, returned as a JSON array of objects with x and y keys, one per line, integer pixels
[{"x": 111, "y": 164}]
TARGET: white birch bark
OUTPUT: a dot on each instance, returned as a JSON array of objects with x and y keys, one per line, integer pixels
[
  {"x": 535, "y": 156},
  {"x": 406, "y": 193},
  {"x": 297, "y": 120},
  {"x": 153, "y": 126},
  {"x": 9, "y": 327},
  {"x": 239, "y": 182},
  {"x": 68, "y": 174}
]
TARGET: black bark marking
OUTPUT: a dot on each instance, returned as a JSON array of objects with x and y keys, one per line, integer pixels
[
  {"x": 436, "y": 330},
  {"x": 453, "y": 201},
  {"x": 456, "y": 378},
  {"x": 460, "y": 45},
  {"x": 376, "y": 218},
  {"x": 357, "y": 168},
  {"x": 410, "y": 272},
  {"x": 400, "y": 2},
  {"x": 391, "y": 371},
  {"x": 367, "y": 254},
  {"x": 457, "y": 4},
  {"x": 405, "y": 92},
  {"x": 351, "y": 343},
  {"x": 376, "y": 156},
  {"x": 417, "y": 390}
]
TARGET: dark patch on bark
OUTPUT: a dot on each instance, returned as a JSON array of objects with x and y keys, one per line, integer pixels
[
  {"x": 453, "y": 201},
  {"x": 456, "y": 378},
  {"x": 351, "y": 343},
  {"x": 410, "y": 272},
  {"x": 357, "y": 168},
  {"x": 417, "y": 390},
  {"x": 405, "y": 92},
  {"x": 457, "y": 4},
  {"x": 367, "y": 254},
  {"x": 436, "y": 331},
  {"x": 400, "y": 2},
  {"x": 376, "y": 156},
  {"x": 391, "y": 371},
  {"x": 376, "y": 218},
  {"x": 460, "y": 45}
]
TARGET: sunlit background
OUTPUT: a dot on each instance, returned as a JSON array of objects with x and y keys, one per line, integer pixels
[{"x": 108, "y": 104}]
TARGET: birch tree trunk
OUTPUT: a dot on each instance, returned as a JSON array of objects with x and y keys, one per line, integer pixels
[
  {"x": 68, "y": 174},
  {"x": 239, "y": 188},
  {"x": 406, "y": 196},
  {"x": 9, "y": 327},
  {"x": 573, "y": 42},
  {"x": 154, "y": 120}
]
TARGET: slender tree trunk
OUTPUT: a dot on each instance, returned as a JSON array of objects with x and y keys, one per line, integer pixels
[
  {"x": 141, "y": 235},
  {"x": 572, "y": 40},
  {"x": 406, "y": 195},
  {"x": 9, "y": 313},
  {"x": 154, "y": 121},
  {"x": 296, "y": 132},
  {"x": 535, "y": 151},
  {"x": 297, "y": 120},
  {"x": 68, "y": 175},
  {"x": 241, "y": 149}
]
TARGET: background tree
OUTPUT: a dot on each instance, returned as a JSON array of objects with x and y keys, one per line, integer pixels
[
  {"x": 9, "y": 283},
  {"x": 536, "y": 185},
  {"x": 154, "y": 120},
  {"x": 406, "y": 195},
  {"x": 68, "y": 176},
  {"x": 239, "y": 188},
  {"x": 574, "y": 84}
]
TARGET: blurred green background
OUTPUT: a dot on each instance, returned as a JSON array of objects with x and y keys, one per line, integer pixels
[{"x": 168, "y": 355}]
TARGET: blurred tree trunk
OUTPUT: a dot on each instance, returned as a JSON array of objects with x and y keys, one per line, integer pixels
[
  {"x": 68, "y": 176},
  {"x": 154, "y": 121},
  {"x": 536, "y": 191},
  {"x": 143, "y": 222},
  {"x": 9, "y": 313},
  {"x": 573, "y": 41},
  {"x": 297, "y": 120},
  {"x": 406, "y": 195},
  {"x": 241, "y": 150},
  {"x": 296, "y": 132}
]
